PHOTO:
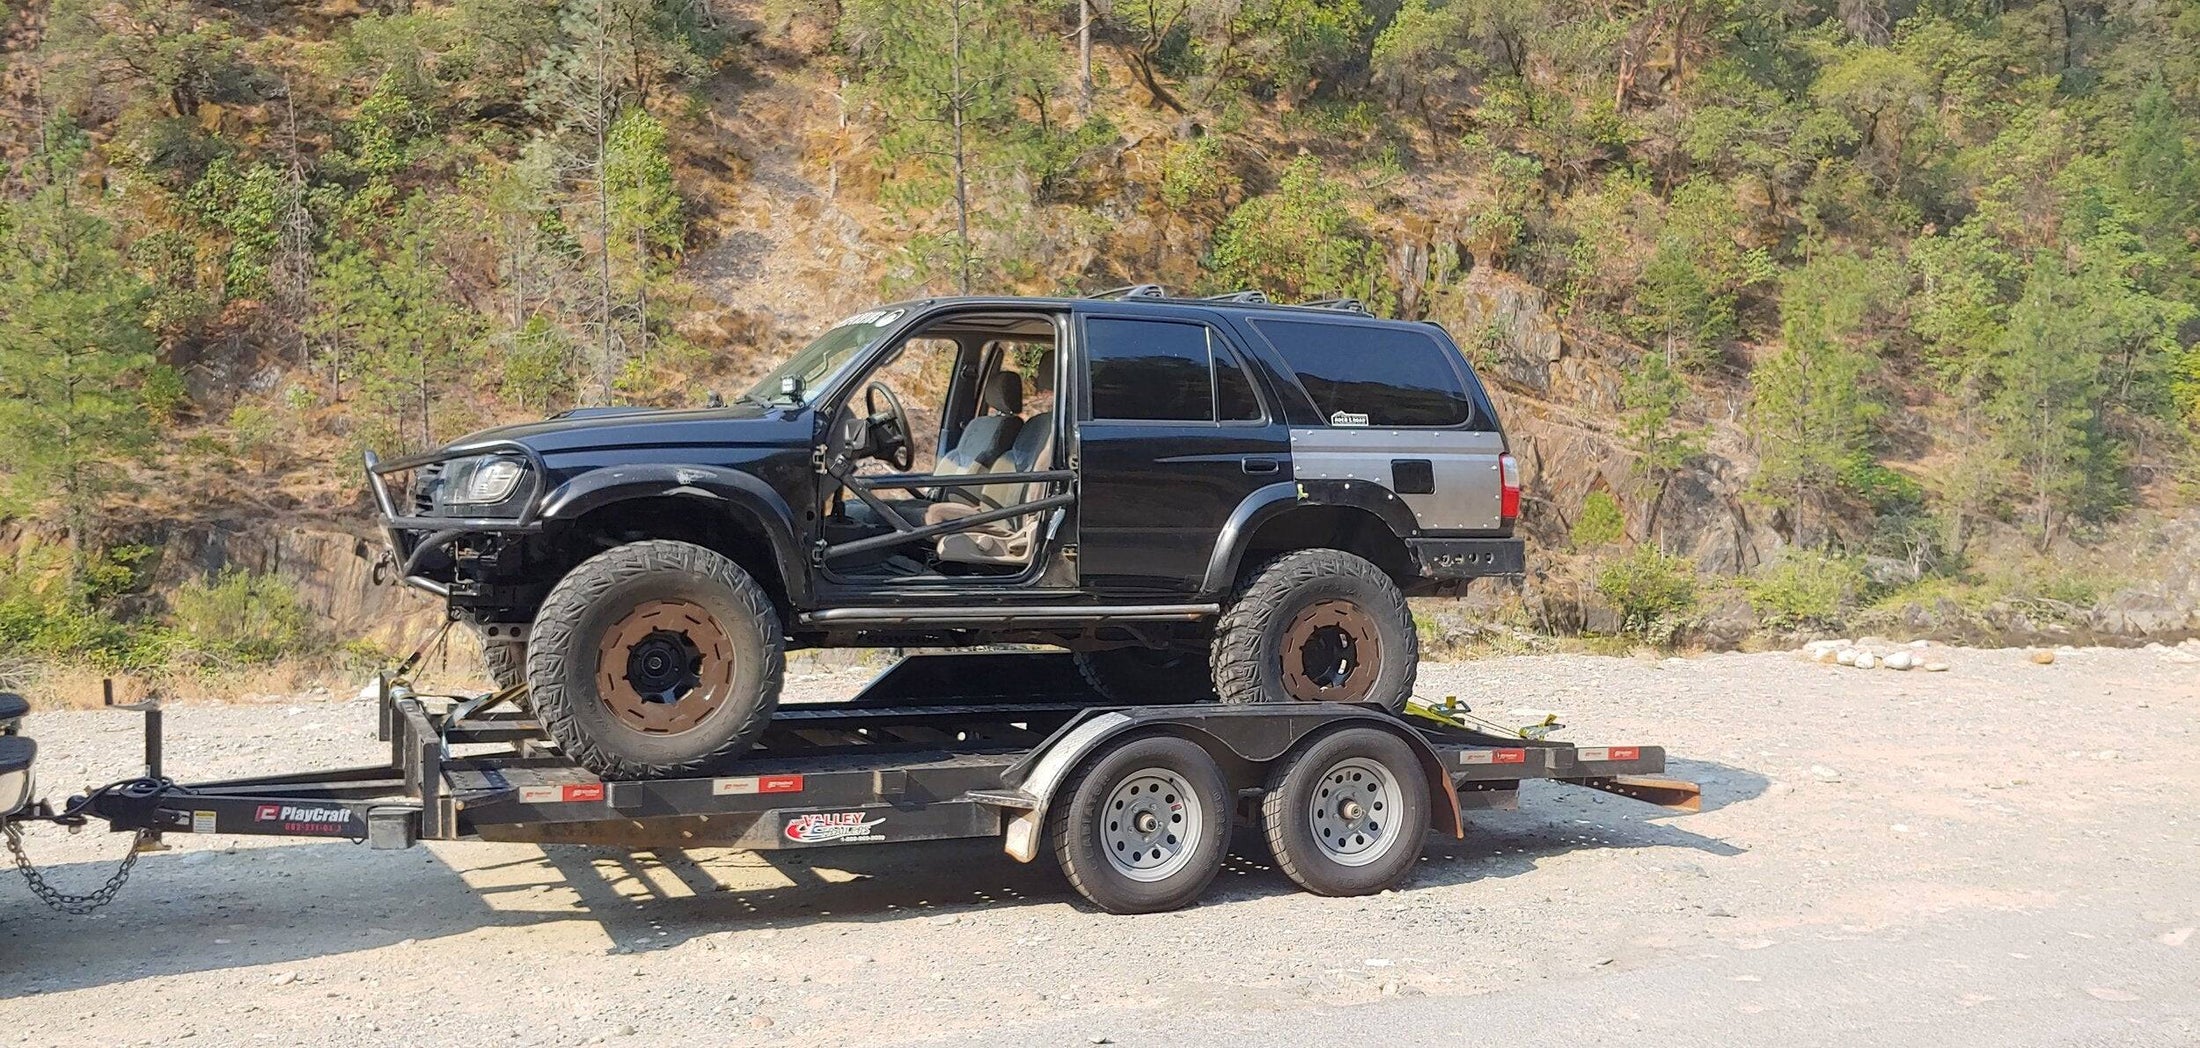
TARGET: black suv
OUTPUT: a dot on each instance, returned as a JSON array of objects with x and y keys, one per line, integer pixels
[{"x": 1202, "y": 498}]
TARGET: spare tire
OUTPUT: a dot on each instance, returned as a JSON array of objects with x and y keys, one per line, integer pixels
[{"x": 655, "y": 659}]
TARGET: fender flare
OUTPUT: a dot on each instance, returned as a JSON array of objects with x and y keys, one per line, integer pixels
[
  {"x": 1276, "y": 499},
  {"x": 1040, "y": 776},
  {"x": 732, "y": 491}
]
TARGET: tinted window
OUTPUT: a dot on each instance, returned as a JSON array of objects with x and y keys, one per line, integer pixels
[
  {"x": 1392, "y": 376},
  {"x": 1146, "y": 370},
  {"x": 1234, "y": 400}
]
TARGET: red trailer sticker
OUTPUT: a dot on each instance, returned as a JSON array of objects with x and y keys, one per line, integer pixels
[
  {"x": 1493, "y": 756},
  {"x": 1602, "y": 754},
  {"x": 745, "y": 784},
  {"x": 572, "y": 792}
]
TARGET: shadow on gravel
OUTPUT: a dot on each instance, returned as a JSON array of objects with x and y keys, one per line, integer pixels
[{"x": 199, "y": 911}]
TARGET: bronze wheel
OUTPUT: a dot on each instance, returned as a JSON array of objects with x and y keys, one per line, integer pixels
[
  {"x": 655, "y": 659},
  {"x": 664, "y": 667},
  {"x": 1316, "y": 625},
  {"x": 1331, "y": 653}
]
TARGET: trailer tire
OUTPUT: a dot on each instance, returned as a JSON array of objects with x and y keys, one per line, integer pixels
[
  {"x": 1311, "y": 601},
  {"x": 1113, "y": 820},
  {"x": 1346, "y": 812},
  {"x": 702, "y": 651},
  {"x": 1142, "y": 675}
]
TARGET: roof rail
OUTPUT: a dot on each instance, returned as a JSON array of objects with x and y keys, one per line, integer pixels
[
  {"x": 1132, "y": 291},
  {"x": 1250, "y": 295},
  {"x": 1348, "y": 305}
]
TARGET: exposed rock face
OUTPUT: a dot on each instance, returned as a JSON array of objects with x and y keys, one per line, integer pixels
[
  {"x": 2167, "y": 605},
  {"x": 333, "y": 580},
  {"x": 1560, "y": 401}
]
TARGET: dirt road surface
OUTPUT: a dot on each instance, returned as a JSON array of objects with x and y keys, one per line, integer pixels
[{"x": 2002, "y": 854}]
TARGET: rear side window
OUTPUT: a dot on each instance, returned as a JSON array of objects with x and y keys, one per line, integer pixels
[
  {"x": 1362, "y": 375},
  {"x": 1165, "y": 371}
]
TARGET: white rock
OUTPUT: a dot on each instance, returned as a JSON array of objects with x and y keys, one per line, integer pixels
[
  {"x": 1866, "y": 660},
  {"x": 1921, "y": 644},
  {"x": 1936, "y": 667},
  {"x": 1846, "y": 656},
  {"x": 1901, "y": 660}
]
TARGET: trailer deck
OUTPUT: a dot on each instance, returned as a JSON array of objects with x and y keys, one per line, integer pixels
[{"x": 937, "y": 747}]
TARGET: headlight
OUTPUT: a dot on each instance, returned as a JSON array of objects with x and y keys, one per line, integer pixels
[{"x": 481, "y": 481}]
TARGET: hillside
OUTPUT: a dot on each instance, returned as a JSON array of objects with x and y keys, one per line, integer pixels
[{"x": 1885, "y": 310}]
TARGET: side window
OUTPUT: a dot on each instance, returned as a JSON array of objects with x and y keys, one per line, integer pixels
[
  {"x": 1371, "y": 376},
  {"x": 1234, "y": 399},
  {"x": 1148, "y": 370},
  {"x": 922, "y": 371}
]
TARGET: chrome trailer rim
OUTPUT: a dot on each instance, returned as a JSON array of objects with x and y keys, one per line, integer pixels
[
  {"x": 1151, "y": 824},
  {"x": 1355, "y": 811}
]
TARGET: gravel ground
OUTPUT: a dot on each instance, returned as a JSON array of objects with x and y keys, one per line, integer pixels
[{"x": 2001, "y": 854}]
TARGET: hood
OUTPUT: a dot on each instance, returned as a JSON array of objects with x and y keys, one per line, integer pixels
[{"x": 593, "y": 429}]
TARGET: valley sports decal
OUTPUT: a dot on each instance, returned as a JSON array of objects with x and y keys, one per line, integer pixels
[
  {"x": 300, "y": 818},
  {"x": 833, "y": 827}
]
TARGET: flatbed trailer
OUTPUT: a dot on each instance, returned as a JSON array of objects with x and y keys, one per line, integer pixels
[{"x": 1137, "y": 802}]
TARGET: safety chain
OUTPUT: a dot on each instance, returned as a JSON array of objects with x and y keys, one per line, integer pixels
[
  {"x": 76, "y": 905},
  {"x": 80, "y": 905}
]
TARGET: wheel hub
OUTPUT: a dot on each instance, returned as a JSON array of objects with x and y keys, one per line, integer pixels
[
  {"x": 664, "y": 666},
  {"x": 1355, "y": 810},
  {"x": 1331, "y": 653},
  {"x": 1151, "y": 824}
]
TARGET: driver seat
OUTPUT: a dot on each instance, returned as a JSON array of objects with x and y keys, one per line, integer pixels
[{"x": 983, "y": 441}]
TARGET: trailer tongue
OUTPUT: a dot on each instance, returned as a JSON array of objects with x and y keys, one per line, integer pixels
[{"x": 1137, "y": 802}]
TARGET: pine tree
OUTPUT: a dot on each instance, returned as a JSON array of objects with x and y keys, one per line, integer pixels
[
  {"x": 73, "y": 342},
  {"x": 1811, "y": 415},
  {"x": 1652, "y": 395},
  {"x": 943, "y": 76}
]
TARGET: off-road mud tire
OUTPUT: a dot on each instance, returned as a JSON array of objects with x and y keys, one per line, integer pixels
[
  {"x": 563, "y": 658},
  {"x": 506, "y": 662},
  {"x": 1249, "y": 644}
]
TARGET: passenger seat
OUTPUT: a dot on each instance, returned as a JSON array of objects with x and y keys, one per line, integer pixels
[{"x": 1005, "y": 541}]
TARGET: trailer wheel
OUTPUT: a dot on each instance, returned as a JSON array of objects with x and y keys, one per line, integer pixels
[
  {"x": 1143, "y": 826},
  {"x": 1134, "y": 675},
  {"x": 655, "y": 659},
  {"x": 1317, "y": 625},
  {"x": 1346, "y": 813}
]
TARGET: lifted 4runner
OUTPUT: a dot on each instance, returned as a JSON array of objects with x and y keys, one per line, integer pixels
[{"x": 1202, "y": 498}]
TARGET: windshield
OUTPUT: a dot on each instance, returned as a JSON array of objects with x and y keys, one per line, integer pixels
[{"x": 804, "y": 374}]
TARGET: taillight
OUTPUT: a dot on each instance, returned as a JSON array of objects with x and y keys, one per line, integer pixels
[{"x": 1508, "y": 502}]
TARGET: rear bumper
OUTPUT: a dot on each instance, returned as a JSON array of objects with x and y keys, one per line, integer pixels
[{"x": 1469, "y": 558}]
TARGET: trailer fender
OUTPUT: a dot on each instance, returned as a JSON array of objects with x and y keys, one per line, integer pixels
[{"x": 1038, "y": 780}]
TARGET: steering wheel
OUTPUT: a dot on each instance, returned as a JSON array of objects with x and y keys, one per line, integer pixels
[{"x": 889, "y": 428}]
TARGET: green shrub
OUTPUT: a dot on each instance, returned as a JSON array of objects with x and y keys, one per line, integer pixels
[
  {"x": 1650, "y": 590},
  {"x": 1804, "y": 588},
  {"x": 1600, "y": 523},
  {"x": 240, "y": 616}
]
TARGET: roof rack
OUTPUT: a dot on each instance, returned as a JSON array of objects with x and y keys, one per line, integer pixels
[
  {"x": 1132, "y": 291},
  {"x": 1348, "y": 305},
  {"x": 1251, "y": 295}
]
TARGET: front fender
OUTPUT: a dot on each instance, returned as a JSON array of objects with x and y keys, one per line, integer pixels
[
  {"x": 730, "y": 490},
  {"x": 1274, "y": 500}
]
